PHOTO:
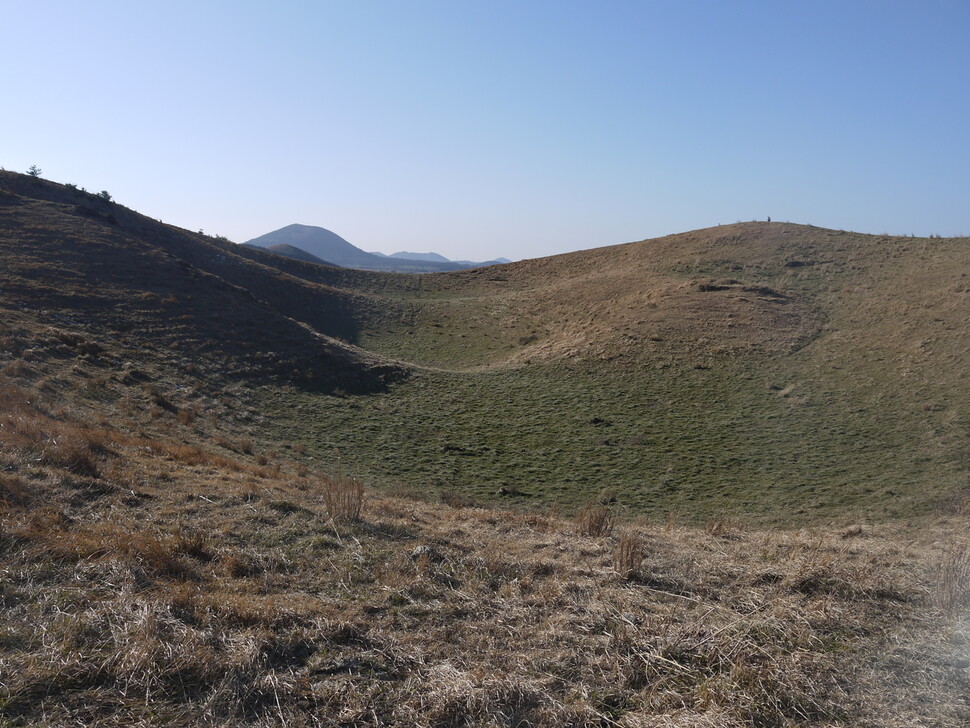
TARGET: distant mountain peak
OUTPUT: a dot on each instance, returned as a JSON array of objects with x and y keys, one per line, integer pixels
[{"x": 326, "y": 245}]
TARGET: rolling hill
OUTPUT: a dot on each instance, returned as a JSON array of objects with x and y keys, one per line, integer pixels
[
  {"x": 291, "y": 251},
  {"x": 760, "y": 368},
  {"x": 772, "y": 371},
  {"x": 242, "y": 489},
  {"x": 427, "y": 257},
  {"x": 79, "y": 263}
]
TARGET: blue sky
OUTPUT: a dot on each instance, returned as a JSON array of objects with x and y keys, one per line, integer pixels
[{"x": 480, "y": 129}]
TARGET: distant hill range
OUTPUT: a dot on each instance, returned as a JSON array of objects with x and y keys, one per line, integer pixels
[
  {"x": 319, "y": 245},
  {"x": 291, "y": 251},
  {"x": 438, "y": 258}
]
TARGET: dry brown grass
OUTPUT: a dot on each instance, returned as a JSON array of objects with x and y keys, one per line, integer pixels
[
  {"x": 953, "y": 580},
  {"x": 595, "y": 520},
  {"x": 209, "y": 608},
  {"x": 157, "y": 554},
  {"x": 724, "y": 526},
  {"x": 34, "y": 434},
  {"x": 15, "y": 492},
  {"x": 344, "y": 498},
  {"x": 172, "y": 585},
  {"x": 628, "y": 554}
]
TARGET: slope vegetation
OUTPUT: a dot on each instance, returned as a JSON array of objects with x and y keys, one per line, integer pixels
[
  {"x": 181, "y": 542},
  {"x": 160, "y": 566},
  {"x": 772, "y": 370},
  {"x": 775, "y": 372}
]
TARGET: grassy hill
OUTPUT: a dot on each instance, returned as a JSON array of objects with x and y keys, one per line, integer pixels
[
  {"x": 765, "y": 370},
  {"x": 290, "y": 251},
  {"x": 191, "y": 433},
  {"x": 93, "y": 267}
]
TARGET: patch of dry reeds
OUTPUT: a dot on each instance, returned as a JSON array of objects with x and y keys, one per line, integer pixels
[
  {"x": 343, "y": 498},
  {"x": 953, "y": 580},
  {"x": 595, "y": 520},
  {"x": 628, "y": 555}
]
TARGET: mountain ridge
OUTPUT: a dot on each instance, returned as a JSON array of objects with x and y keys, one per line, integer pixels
[{"x": 327, "y": 245}]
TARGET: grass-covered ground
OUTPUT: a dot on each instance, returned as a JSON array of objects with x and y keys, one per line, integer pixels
[
  {"x": 167, "y": 567},
  {"x": 695, "y": 442},
  {"x": 782, "y": 373}
]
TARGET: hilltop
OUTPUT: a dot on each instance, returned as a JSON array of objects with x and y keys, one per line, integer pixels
[{"x": 427, "y": 257}]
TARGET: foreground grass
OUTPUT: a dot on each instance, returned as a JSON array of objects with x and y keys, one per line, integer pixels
[{"x": 180, "y": 577}]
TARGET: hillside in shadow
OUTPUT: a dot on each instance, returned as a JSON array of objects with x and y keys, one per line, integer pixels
[{"x": 82, "y": 262}]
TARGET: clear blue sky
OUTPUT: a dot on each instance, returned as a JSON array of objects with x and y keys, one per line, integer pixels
[{"x": 485, "y": 128}]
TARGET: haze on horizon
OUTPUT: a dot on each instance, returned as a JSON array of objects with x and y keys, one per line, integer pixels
[{"x": 478, "y": 130}]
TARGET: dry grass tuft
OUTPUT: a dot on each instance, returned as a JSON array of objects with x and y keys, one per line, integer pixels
[
  {"x": 953, "y": 580},
  {"x": 344, "y": 498},
  {"x": 155, "y": 554},
  {"x": 32, "y": 434},
  {"x": 628, "y": 555},
  {"x": 595, "y": 520},
  {"x": 725, "y": 527},
  {"x": 15, "y": 492},
  {"x": 16, "y": 368}
]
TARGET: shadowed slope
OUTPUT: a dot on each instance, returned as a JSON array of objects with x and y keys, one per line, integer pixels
[
  {"x": 291, "y": 251},
  {"x": 70, "y": 256}
]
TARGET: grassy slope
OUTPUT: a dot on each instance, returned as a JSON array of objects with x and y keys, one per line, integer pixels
[
  {"x": 777, "y": 371},
  {"x": 773, "y": 371},
  {"x": 82, "y": 263}
]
